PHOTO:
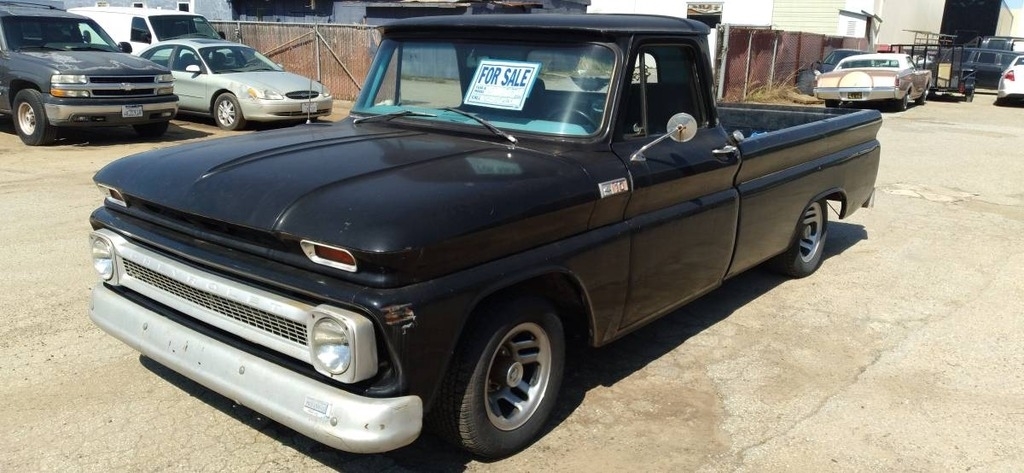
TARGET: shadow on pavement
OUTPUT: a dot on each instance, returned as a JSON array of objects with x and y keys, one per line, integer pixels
[{"x": 586, "y": 368}]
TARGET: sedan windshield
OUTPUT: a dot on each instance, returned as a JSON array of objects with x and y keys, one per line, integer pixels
[
  {"x": 539, "y": 88},
  {"x": 55, "y": 34},
  {"x": 236, "y": 58}
]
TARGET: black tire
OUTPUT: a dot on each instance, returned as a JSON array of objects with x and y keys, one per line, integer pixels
[
  {"x": 151, "y": 130},
  {"x": 922, "y": 99},
  {"x": 227, "y": 113},
  {"x": 30, "y": 119},
  {"x": 514, "y": 350},
  {"x": 832, "y": 103},
  {"x": 803, "y": 257},
  {"x": 1001, "y": 102},
  {"x": 901, "y": 104}
]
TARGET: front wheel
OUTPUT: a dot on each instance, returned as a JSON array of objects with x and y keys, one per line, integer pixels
[
  {"x": 803, "y": 257},
  {"x": 504, "y": 379},
  {"x": 227, "y": 112},
  {"x": 30, "y": 119}
]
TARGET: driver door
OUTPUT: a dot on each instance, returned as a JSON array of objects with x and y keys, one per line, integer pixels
[{"x": 684, "y": 208}]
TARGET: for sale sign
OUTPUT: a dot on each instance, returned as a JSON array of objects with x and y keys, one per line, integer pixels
[{"x": 502, "y": 84}]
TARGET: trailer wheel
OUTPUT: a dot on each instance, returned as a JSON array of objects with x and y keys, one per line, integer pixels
[
  {"x": 504, "y": 379},
  {"x": 803, "y": 257}
]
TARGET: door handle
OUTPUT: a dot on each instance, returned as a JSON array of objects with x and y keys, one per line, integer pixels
[{"x": 725, "y": 153}]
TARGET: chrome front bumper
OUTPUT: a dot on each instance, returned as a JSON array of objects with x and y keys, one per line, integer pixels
[
  {"x": 64, "y": 114},
  {"x": 331, "y": 416}
]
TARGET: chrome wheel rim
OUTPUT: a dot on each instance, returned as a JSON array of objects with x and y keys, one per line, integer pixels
[
  {"x": 518, "y": 376},
  {"x": 810, "y": 237},
  {"x": 226, "y": 112},
  {"x": 26, "y": 118}
]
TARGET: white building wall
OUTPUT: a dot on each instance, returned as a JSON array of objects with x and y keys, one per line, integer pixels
[
  {"x": 652, "y": 7},
  {"x": 899, "y": 16},
  {"x": 747, "y": 12}
]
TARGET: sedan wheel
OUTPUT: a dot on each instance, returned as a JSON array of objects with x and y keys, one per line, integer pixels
[{"x": 227, "y": 113}]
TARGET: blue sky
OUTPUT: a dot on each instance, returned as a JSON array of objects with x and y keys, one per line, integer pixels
[{"x": 1014, "y": 3}]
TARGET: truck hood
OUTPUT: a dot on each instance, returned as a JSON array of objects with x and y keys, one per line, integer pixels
[
  {"x": 91, "y": 62},
  {"x": 420, "y": 198}
]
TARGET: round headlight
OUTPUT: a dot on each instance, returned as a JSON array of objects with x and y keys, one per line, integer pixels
[
  {"x": 332, "y": 347},
  {"x": 102, "y": 257}
]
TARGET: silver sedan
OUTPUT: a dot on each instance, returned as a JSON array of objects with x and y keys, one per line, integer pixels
[{"x": 236, "y": 84}]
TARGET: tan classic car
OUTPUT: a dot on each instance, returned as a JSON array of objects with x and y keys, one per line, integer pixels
[{"x": 891, "y": 77}]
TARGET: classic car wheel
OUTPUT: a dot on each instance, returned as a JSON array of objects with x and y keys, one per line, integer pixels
[
  {"x": 902, "y": 104},
  {"x": 151, "y": 130},
  {"x": 922, "y": 99},
  {"x": 30, "y": 119},
  {"x": 832, "y": 103},
  {"x": 803, "y": 257},
  {"x": 503, "y": 380},
  {"x": 227, "y": 113}
]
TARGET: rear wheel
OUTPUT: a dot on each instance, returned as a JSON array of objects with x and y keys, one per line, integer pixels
[
  {"x": 1001, "y": 102},
  {"x": 923, "y": 98},
  {"x": 503, "y": 380},
  {"x": 30, "y": 119},
  {"x": 902, "y": 104},
  {"x": 803, "y": 257}
]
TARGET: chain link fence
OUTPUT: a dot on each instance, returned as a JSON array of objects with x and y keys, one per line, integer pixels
[
  {"x": 337, "y": 56},
  {"x": 752, "y": 60}
]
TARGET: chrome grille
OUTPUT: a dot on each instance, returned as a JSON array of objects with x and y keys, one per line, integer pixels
[
  {"x": 122, "y": 79},
  {"x": 253, "y": 317}
]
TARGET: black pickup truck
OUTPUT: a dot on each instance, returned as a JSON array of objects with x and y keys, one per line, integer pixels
[
  {"x": 60, "y": 70},
  {"x": 505, "y": 184}
]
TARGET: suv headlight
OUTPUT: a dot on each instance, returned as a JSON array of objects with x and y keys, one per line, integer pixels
[
  {"x": 165, "y": 78},
  {"x": 69, "y": 79},
  {"x": 342, "y": 344}
]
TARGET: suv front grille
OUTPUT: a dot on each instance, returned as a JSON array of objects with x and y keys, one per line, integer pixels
[
  {"x": 256, "y": 318},
  {"x": 122, "y": 79}
]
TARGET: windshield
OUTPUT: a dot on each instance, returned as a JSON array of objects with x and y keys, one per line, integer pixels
[
  {"x": 236, "y": 58},
  {"x": 181, "y": 26},
  {"x": 838, "y": 55},
  {"x": 55, "y": 34},
  {"x": 541, "y": 88}
]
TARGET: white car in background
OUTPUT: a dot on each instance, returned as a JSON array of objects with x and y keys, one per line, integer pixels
[{"x": 1011, "y": 84}]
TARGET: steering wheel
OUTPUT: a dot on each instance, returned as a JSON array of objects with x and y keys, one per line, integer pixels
[{"x": 574, "y": 116}]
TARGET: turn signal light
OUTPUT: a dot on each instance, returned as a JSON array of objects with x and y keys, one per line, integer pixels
[{"x": 327, "y": 255}]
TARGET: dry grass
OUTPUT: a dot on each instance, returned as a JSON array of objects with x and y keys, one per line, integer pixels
[{"x": 780, "y": 94}]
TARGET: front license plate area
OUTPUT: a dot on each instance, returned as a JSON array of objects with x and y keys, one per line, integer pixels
[
  {"x": 308, "y": 107},
  {"x": 131, "y": 111},
  {"x": 854, "y": 96}
]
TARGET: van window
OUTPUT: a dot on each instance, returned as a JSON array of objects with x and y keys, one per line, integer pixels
[
  {"x": 140, "y": 31},
  {"x": 181, "y": 26}
]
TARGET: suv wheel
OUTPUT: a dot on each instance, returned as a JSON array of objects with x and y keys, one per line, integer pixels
[{"x": 30, "y": 119}]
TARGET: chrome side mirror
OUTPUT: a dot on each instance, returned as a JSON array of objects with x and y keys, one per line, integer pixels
[{"x": 682, "y": 127}]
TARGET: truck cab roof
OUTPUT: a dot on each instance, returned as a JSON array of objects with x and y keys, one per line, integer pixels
[{"x": 609, "y": 24}]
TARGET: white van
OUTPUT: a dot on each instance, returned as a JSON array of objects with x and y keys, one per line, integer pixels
[{"x": 143, "y": 27}]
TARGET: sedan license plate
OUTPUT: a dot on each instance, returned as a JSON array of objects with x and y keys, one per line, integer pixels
[
  {"x": 854, "y": 95},
  {"x": 131, "y": 111},
  {"x": 308, "y": 107}
]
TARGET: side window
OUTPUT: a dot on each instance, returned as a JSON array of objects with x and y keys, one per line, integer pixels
[
  {"x": 140, "y": 31},
  {"x": 161, "y": 56},
  {"x": 185, "y": 57},
  {"x": 664, "y": 83},
  {"x": 987, "y": 58}
]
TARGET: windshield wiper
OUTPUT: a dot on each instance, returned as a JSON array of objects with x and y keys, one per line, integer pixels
[
  {"x": 485, "y": 123},
  {"x": 388, "y": 116}
]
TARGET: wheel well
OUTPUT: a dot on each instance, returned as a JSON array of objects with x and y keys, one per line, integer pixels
[
  {"x": 18, "y": 86},
  {"x": 561, "y": 290},
  {"x": 840, "y": 197},
  {"x": 213, "y": 99}
]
